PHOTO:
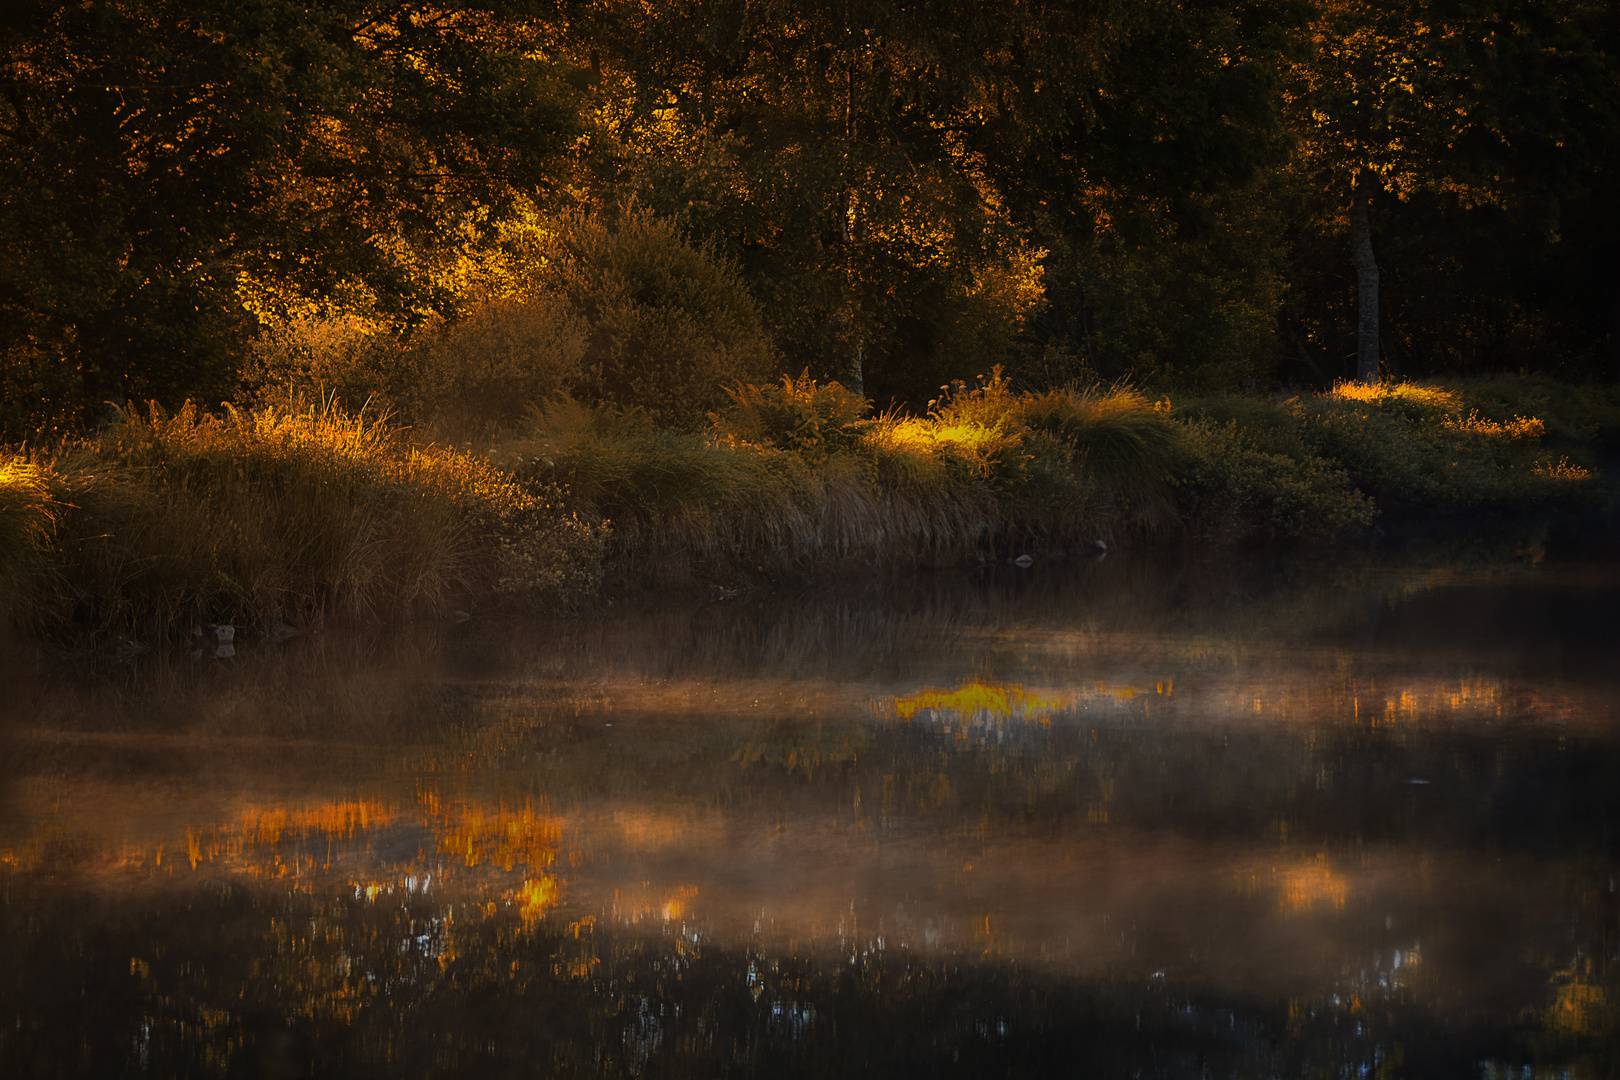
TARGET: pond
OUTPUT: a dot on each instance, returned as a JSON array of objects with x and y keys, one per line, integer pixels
[{"x": 1139, "y": 815}]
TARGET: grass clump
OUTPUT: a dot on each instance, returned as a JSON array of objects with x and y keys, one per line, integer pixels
[
  {"x": 1427, "y": 448},
  {"x": 259, "y": 517},
  {"x": 798, "y": 475},
  {"x": 1324, "y": 464}
]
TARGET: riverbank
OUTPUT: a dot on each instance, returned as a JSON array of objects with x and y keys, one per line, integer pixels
[{"x": 278, "y": 519}]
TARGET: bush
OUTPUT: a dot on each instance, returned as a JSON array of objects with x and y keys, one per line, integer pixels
[
  {"x": 1232, "y": 488},
  {"x": 1572, "y": 415},
  {"x": 624, "y": 314},
  {"x": 469, "y": 379},
  {"x": 799, "y": 415},
  {"x": 1105, "y": 456},
  {"x": 1415, "y": 447},
  {"x": 481, "y": 376},
  {"x": 342, "y": 359},
  {"x": 671, "y": 326}
]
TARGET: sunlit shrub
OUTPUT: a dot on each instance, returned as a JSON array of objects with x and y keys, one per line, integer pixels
[
  {"x": 484, "y": 373},
  {"x": 620, "y": 467},
  {"x": 1412, "y": 448},
  {"x": 1526, "y": 430},
  {"x": 811, "y": 419},
  {"x": 1073, "y": 453},
  {"x": 343, "y": 359},
  {"x": 670, "y": 325},
  {"x": 1571, "y": 415},
  {"x": 1417, "y": 449},
  {"x": 1411, "y": 400}
]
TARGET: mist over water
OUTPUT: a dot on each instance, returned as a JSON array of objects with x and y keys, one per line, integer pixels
[{"x": 1136, "y": 815}]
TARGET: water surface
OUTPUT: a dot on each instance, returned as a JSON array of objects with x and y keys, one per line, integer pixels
[{"x": 1131, "y": 816}]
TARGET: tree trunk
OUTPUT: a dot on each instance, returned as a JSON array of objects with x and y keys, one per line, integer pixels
[
  {"x": 1366, "y": 280},
  {"x": 1614, "y": 336},
  {"x": 856, "y": 382}
]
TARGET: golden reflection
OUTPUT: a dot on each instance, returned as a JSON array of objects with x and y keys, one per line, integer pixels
[
  {"x": 1300, "y": 888},
  {"x": 978, "y": 701},
  {"x": 503, "y": 837},
  {"x": 676, "y": 905},
  {"x": 535, "y": 897},
  {"x": 1579, "y": 1006},
  {"x": 335, "y": 819}
]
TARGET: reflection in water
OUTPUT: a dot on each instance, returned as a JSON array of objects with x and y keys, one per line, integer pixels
[{"x": 1119, "y": 818}]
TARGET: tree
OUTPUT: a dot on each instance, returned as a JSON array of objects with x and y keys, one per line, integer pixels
[
  {"x": 160, "y": 153},
  {"x": 1451, "y": 107}
]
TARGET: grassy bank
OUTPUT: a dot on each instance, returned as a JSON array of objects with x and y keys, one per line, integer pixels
[
  {"x": 162, "y": 523},
  {"x": 290, "y": 515},
  {"x": 799, "y": 476}
]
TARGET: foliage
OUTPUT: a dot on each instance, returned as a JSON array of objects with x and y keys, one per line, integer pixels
[
  {"x": 1234, "y": 488},
  {"x": 472, "y": 378},
  {"x": 159, "y": 155},
  {"x": 1571, "y": 415},
  {"x": 669, "y": 326},
  {"x": 278, "y": 515},
  {"x": 794, "y": 476},
  {"x": 1106, "y": 456},
  {"x": 809, "y": 418},
  {"x": 1484, "y": 135},
  {"x": 1406, "y": 447},
  {"x": 30, "y": 507},
  {"x": 341, "y": 359}
]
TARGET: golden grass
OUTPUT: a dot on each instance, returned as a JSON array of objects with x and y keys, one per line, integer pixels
[
  {"x": 299, "y": 513},
  {"x": 1434, "y": 397},
  {"x": 277, "y": 514}
]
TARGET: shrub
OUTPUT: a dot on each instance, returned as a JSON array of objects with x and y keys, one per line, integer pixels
[
  {"x": 670, "y": 325},
  {"x": 810, "y": 419},
  {"x": 1414, "y": 447},
  {"x": 342, "y": 359},
  {"x": 480, "y": 376},
  {"x": 1104, "y": 456},
  {"x": 1578, "y": 415},
  {"x": 1231, "y": 488},
  {"x": 468, "y": 379}
]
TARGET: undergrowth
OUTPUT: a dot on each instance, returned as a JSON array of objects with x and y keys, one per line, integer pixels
[{"x": 161, "y": 522}]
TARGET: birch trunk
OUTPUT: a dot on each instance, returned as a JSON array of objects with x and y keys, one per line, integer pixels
[{"x": 1366, "y": 280}]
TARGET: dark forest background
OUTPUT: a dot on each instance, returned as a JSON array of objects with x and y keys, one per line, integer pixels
[{"x": 910, "y": 192}]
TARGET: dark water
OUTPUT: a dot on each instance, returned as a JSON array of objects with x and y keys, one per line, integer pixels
[{"x": 1140, "y": 816}]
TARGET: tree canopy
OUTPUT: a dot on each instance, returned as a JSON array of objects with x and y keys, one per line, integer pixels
[{"x": 1185, "y": 194}]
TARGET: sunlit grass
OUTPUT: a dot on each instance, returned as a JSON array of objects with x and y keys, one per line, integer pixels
[
  {"x": 295, "y": 513},
  {"x": 1427, "y": 397},
  {"x": 162, "y": 521}
]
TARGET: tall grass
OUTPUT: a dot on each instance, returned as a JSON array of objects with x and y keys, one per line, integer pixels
[
  {"x": 162, "y": 521},
  {"x": 296, "y": 514},
  {"x": 799, "y": 475}
]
